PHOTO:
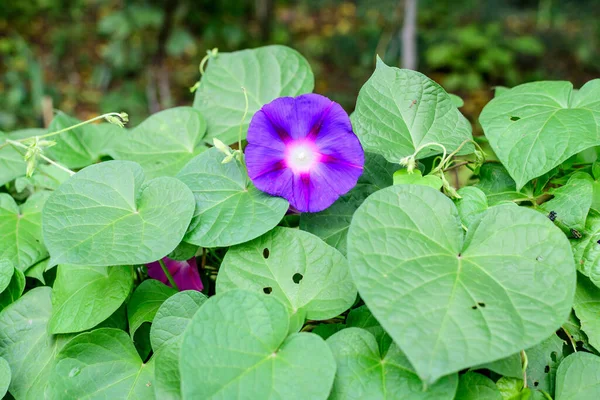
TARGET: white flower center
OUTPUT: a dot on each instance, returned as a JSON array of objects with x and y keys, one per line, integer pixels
[{"x": 301, "y": 157}]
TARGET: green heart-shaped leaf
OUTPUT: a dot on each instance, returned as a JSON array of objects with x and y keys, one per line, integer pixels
[
  {"x": 238, "y": 343},
  {"x": 145, "y": 302},
  {"x": 332, "y": 224},
  {"x": 587, "y": 249},
  {"x": 266, "y": 73},
  {"x": 107, "y": 215},
  {"x": 402, "y": 177},
  {"x": 229, "y": 209},
  {"x": 26, "y": 344},
  {"x": 21, "y": 230},
  {"x": 534, "y": 127},
  {"x": 578, "y": 377},
  {"x": 451, "y": 302},
  {"x": 587, "y": 309},
  {"x": 474, "y": 386},
  {"x": 102, "y": 364},
  {"x": 82, "y": 146},
  {"x": 542, "y": 361},
  {"x": 363, "y": 372},
  {"x": 296, "y": 267},
  {"x": 82, "y": 296},
  {"x": 166, "y": 335},
  {"x": 164, "y": 142},
  {"x": 399, "y": 110}
]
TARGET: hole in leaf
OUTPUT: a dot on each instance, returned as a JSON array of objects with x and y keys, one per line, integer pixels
[
  {"x": 482, "y": 305},
  {"x": 268, "y": 290},
  {"x": 536, "y": 383},
  {"x": 553, "y": 356},
  {"x": 297, "y": 278},
  {"x": 266, "y": 253},
  {"x": 539, "y": 258},
  {"x": 598, "y": 242},
  {"x": 547, "y": 369},
  {"x": 474, "y": 307},
  {"x": 513, "y": 118}
]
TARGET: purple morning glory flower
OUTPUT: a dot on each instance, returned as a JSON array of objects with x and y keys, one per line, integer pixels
[
  {"x": 184, "y": 273},
  {"x": 303, "y": 149}
]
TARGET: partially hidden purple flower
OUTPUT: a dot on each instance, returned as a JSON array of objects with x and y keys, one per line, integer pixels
[
  {"x": 304, "y": 150},
  {"x": 184, "y": 273}
]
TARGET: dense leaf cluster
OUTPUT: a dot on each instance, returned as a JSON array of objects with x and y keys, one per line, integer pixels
[{"x": 405, "y": 288}]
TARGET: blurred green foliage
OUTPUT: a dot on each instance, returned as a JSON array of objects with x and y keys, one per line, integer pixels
[{"x": 91, "y": 56}]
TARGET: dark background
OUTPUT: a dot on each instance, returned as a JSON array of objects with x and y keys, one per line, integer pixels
[{"x": 86, "y": 57}]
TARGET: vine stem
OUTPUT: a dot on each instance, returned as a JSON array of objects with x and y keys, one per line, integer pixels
[
  {"x": 570, "y": 340},
  {"x": 243, "y": 119},
  {"x": 168, "y": 274},
  {"x": 47, "y": 135},
  {"x": 43, "y": 157}
]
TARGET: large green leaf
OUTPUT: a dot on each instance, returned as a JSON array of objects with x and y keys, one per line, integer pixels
[
  {"x": 84, "y": 145},
  {"x": 229, "y": 209},
  {"x": 145, "y": 302},
  {"x": 294, "y": 266},
  {"x": 26, "y": 344},
  {"x": 107, "y": 215},
  {"x": 5, "y": 376},
  {"x": 164, "y": 142},
  {"x": 571, "y": 202},
  {"x": 399, "y": 110},
  {"x": 266, "y": 73},
  {"x": 21, "y": 230},
  {"x": 102, "y": 364},
  {"x": 587, "y": 309},
  {"x": 578, "y": 377},
  {"x": 534, "y": 127},
  {"x": 166, "y": 335},
  {"x": 332, "y": 224},
  {"x": 364, "y": 372},
  {"x": 451, "y": 302},
  {"x": 237, "y": 345},
  {"x": 83, "y": 296},
  {"x": 474, "y": 386}
]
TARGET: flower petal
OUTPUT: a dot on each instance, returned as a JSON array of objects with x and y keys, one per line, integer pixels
[{"x": 184, "y": 273}]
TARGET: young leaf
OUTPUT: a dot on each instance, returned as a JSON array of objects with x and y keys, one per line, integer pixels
[
  {"x": 145, "y": 302},
  {"x": 402, "y": 177},
  {"x": 398, "y": 110},
  {"x": 229, "y": 209},
  {"x": 578, "y": 377},
  {"x": 37, "y": 271},
  {"x": 166, "y": 335},
  {"x": 26, "y": 344},
  {"x": 510, "y": 282},
  {"x": 83, "y": 297},
  {"x": 534, "y": 127},
  {"x": 21, "y": 230},
  {"x": 474, "y": 386},
  {"x": 238, "y": 343},
  {"x": 107, "y": 215},
  {"x": 364, "y": 372},
  {"x": 266, "y": 73},
  {"x": 293, "y": 266},
  {"x": 164, "y": 142},
  {"x": 102, "y": 364},
  {"x": 332, "y": 224},
  {"x": 587, "y": 249}
]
